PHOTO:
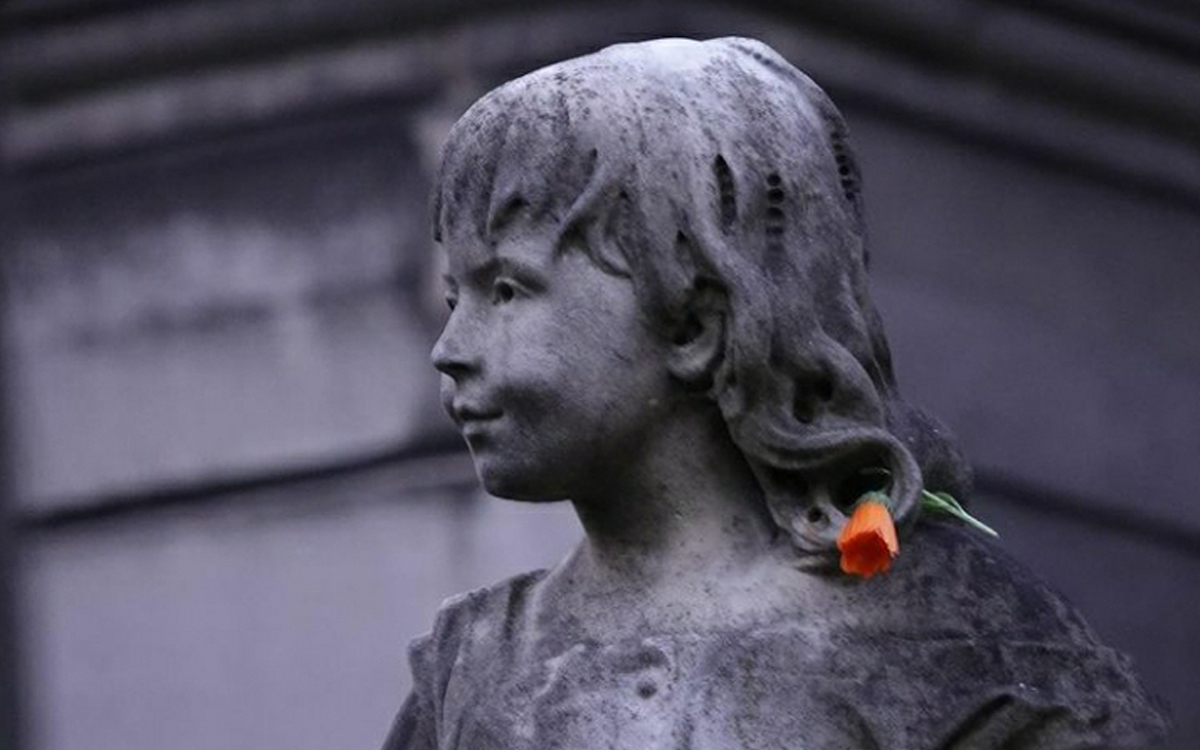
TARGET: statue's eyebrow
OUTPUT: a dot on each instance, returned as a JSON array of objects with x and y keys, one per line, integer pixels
[{"x": 484, "y": 273}]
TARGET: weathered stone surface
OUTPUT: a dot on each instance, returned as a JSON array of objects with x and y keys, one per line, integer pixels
[
  {"x": 956, "y": 647},
  {"x": 656, "y": 267}
]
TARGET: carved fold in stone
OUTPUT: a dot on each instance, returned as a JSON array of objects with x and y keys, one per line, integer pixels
[
  {"x": 810, "y": 397},
  {"x": 775, "y": 224},
  {"x": 727, "y": 192}
]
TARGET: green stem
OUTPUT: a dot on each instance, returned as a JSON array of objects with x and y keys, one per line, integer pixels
[{"x": 942, "y": 502}]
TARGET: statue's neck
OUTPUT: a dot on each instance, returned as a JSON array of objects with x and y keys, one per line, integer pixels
[
  {"x": 688, "y": 508},
  {"x": 688, "y": 546}
]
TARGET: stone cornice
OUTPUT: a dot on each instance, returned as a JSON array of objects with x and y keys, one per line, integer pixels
[{"x": 1059, "y": 83}]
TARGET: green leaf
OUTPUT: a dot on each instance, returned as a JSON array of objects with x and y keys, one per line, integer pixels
[{"x": 941, "y": 502}]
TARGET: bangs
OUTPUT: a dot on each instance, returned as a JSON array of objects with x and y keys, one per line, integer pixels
[{"x": 518, "y": 153}]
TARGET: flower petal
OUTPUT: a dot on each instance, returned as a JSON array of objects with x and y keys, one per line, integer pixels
[{"x": 868, "y": 541}]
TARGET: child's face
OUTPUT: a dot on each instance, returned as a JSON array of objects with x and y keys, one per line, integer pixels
[{"x": 548, "y": 366}]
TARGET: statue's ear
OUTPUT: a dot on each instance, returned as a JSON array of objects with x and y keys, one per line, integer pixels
[{"x": 698, "y": 341}]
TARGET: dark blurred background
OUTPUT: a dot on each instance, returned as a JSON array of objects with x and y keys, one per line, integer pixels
[{"x": 229, "y": 495}]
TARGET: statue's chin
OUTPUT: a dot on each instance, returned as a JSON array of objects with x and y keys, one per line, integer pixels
[{"x": 512, "y": 485}]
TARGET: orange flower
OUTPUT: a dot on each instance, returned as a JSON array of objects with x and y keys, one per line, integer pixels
[{"x": 868, "y": 541}]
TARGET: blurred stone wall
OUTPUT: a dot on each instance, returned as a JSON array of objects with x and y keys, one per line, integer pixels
[
  {"x": 233, "y": 492},
  {"x": 220, "y": 307}
]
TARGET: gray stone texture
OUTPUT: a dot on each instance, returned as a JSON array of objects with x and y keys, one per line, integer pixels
[
  {"x": 706, "y": 194},
  {"x": 955, "y": 647}
]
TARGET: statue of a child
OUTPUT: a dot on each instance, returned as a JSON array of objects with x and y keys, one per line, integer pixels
[{"x": 660, "y": 312}]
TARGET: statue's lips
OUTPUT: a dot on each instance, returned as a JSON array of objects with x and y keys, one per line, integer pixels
[
  {"x": 479, "y": 431},
  {"x": 473, "y": 416}
]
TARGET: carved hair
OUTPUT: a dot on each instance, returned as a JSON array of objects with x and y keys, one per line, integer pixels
[{"x": 701, "y": 167}]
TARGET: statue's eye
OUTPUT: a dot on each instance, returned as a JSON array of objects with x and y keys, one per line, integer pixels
[
  {"x": 503, "y": 291},
  {"x": 451, "y": 303}
]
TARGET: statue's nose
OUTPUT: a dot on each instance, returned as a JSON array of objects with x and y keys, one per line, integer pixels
[{"x": 453, "y": 353}]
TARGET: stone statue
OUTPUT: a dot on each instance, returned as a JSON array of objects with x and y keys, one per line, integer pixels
[{"x": 660, "y": 313}]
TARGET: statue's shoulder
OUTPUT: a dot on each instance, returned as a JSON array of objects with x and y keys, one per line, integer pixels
[
  {"x": 985, "y": 648},
  {"x": 953, "y": 580},
  {"x": 479, "y": 612},
  {"x": 471, "y": 620},
  {"x": 462, "y": 623},
  {"x": 497, "y": 602}
]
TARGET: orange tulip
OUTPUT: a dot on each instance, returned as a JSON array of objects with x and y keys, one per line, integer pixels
[{"x": 868, "y": 541}]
